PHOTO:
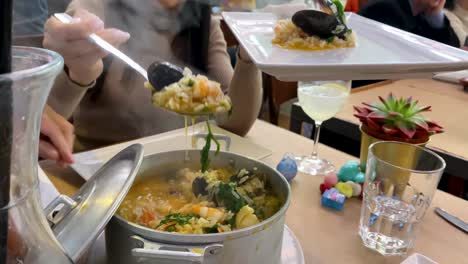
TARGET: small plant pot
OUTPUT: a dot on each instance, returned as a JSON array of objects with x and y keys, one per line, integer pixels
[
  {"x": 406, "y": 156},
  {"x": 369, "y": 136}
]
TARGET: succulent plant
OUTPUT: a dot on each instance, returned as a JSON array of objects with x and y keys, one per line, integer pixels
[{"x": 397, "y": 117}]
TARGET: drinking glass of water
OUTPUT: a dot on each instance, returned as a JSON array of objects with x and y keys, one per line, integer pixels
[
  {"x": 321, "y": 100},
  {"x": 400, "y": 182}
]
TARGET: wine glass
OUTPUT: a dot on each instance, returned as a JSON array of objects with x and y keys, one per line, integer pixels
[{"x": 320, "y": 100}]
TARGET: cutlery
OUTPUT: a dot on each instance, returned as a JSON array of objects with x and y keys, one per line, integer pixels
[{"x": 457, "y": 222}]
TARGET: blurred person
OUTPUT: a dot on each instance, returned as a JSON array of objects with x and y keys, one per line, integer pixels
[
  {"x": 457, "y": 13},
  {"x": 29, "y": 17},
  {"x": 421, "y": 17},
  {"x": 354, "y": 5},
  {"x": 107, "y": 99},
  {"x": 56, "y": 138}
]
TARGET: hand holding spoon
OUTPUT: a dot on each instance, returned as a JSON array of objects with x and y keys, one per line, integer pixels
[{"x": 160, "y": 73}]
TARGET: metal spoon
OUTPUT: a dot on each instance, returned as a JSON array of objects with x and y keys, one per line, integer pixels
[{"x": 160, "y": 73}]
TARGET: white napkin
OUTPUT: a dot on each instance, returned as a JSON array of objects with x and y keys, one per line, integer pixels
[
  {"x": 452, "y": 77},
  {"x": 46, "y": 188},
  {"x": 284, "y": 11}
]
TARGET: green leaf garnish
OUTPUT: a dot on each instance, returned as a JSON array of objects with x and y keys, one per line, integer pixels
[
  {"x": 228, "y": 197},
  {"x": 211, "y": 230},
  {"x": 340, "y": 9},
  {"x": 177, "y": 217},
  {"x": 205, "y": 152},
  {"x": 190, "y": 83}
]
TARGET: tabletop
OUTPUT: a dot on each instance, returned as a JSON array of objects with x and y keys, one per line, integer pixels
[
  {"x": 449, "y": 108},
  {"x": 328, "y": 236}
]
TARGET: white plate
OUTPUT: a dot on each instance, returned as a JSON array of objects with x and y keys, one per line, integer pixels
[
  {"x": 87, "y": 163},
  {"x": 452, "y": 77},
  {"x": 291, "y": 252},
  {"x": 382, "y": 52}
]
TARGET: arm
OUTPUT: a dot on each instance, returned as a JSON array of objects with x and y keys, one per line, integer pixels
[
  {"x": 83, "y": 58},
  {"x": 244, "y": 83},
  {"x": 66, "y": 95},
  {"x": 246, "y": 93}
]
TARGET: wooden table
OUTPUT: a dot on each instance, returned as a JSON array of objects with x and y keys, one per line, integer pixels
[
  {"x": 328, "y": 236},
  {"x": 449, "y": 103},
  {"x": 449, "y": 108}
]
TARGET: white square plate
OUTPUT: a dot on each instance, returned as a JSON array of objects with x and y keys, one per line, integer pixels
[{"x": 382, "y": 52}]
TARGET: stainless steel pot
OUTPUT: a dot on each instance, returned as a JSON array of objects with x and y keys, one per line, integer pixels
[{"x": 127, "y": 242}]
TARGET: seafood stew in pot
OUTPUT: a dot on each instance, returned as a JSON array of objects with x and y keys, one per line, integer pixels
[{"x": 187, "y": 201}]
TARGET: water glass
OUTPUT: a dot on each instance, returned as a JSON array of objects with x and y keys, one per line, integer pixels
[{"x": 401, "y": 180}]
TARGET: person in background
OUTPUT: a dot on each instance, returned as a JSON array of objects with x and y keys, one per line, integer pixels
[
  {"x": 29, "y": 17},
  {"x": 457, "y": 13},
  {"x": 421, "y": 17},
  {"x": 107, "y": 99},
  {"x": 354, "y": 5},
  {"x": 56, "y": 139}
]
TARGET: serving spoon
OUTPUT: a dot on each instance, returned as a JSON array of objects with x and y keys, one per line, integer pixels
[{"x": 159, "y": 74}]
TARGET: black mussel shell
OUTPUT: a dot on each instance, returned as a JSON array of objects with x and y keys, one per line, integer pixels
[
  {"x": 314, "y": 22},
  {"x": 162, "y": 74},
  {"x": 199, "y": 185}
]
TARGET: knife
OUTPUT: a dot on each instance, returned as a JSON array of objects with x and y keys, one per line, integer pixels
[{"x": 457, "y": 222}]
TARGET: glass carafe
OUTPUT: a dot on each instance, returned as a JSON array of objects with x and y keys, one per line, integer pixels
[{"x": 23, "y": 94}]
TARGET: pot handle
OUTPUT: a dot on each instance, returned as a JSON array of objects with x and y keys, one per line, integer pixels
[
  {"x": 198, "y": 254},
  {"x": 68, "y": 205},
  {"x": 219, "y": 137}
]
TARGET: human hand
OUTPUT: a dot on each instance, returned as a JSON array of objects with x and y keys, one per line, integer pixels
[
  {"x": 82, "y": 57},
  {"x": 57, "y": 136}
]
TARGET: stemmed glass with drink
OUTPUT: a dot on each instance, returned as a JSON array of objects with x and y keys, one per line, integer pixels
[{"x": 320, "y": 100}]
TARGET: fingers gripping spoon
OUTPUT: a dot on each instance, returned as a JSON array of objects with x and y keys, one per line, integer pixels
[{"x": 160, "y": 74}]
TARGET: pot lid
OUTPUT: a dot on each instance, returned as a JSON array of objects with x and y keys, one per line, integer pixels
[{"x": 83, "y": 217}]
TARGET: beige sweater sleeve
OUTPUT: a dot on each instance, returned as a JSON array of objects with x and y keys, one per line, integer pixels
[
  {"x": 457, "y": 26},
  {"x": 66, "y": 95},
  {"x": 244, "y": 82}
]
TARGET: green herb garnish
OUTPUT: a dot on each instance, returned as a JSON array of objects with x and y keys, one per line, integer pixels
[
  {"x": 340, "y": 10},
  {"x": 228, "y": 197},
  {"x": 205, "y": 152},
  {"x": 330, "y": 39},
  {"x": 177, "y": 217},
  {"x": 190, "y": 83},
  {"x": 232, "y": 221},
  {"x": 211, "y": 230}
]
